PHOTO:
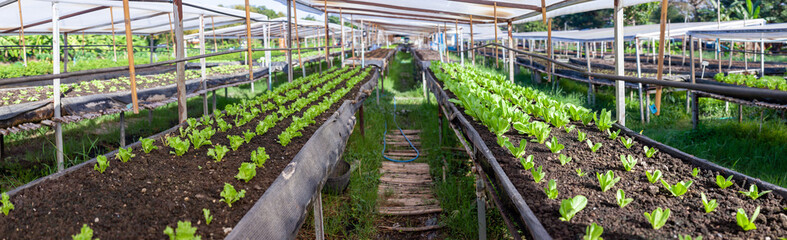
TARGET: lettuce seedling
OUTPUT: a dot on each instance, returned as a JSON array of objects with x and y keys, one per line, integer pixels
[
  {"x": 653, "y": 177},
  {"x": 604, "y": 120},
  {"x": 7, "y": 205},
  {"x": 147, "y": 144},
  {"x": 613, "y": 135},
  {"x": 287, "y": 136},
  {"x": 537, "y": 174},
  {"x": 678, "y": 189},
  {"x": 499, "y": 125},
  {"x": 230, "y": 195},
  {"x": 744, "y": 222},
  {"x": 628, "y": 162},
  {"x": 259, "y": 157},
  {"x": 184, "y": 232},
  {"x": 723, "y": 183},
  {"x": 620, "y": 196},
  {"x": 208, "y": 217},
  {"x": 101, "y": 164},
  {"x": 709, "y": 205},
  {"x": 517, "y": 151},
  {"x": 201, "y": 138},
  {"x": 554, "y": 146},
  {"x": 607, "y": 180},
  {"x": 542, "y": 133},
  {"x": 564, "y": 159},
  {"x": 551, "y": 189},
  {"x": 527, "y": 162},
  {"x": 247, "y": 171},
  {"x": 124, "y": 154},
  {"x": 180, "y": 146},
  {"x": 754, "y": 192},
  {"x": 218, "y": 152},
  {"x": 649, "y": 152},
  {"x": 581, "y": 136},
  {"x": 235, "y": 142},
  {"x": 593, "y": 232},
  {"x": 570, "y": 207},
  {"x": 627, "y": 142},
  {"x": 580, "y": 173},
  {"x": 688, "y": 237},
  {"x": 223, "y": 125},
  {"x": 658, "y": 218},
  {"x": 248, "y": 134},
  {"x": 503, "y": 141},
  {"x": 593, "y": 147},
  {"x": 569, "y": 128},
  {"x": 84, "y": 234},
  {"x": 695, "y": 172}
]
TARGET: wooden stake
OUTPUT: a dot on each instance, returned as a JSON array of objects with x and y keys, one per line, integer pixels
[
  {"x": 549, "y": 49},
  {"x": 114, "y": 44},
  {"x": 215, "y": 40},
  {"x": 248, "y": 44},
  {"x": 472, "y": 43},
  {"x": 130, "y": 51},
  {"x": 327, "y": 43},
  {"x": 22, "y": 33},
  {"x": 496, "y": 49},
  {"x": 180, "y": 78},
  {"x": 297, "y": 40},
  {"x": 342, "y": 29},
  {"x": 171, "y": 34},
  {"x": 660, "y": 70}
]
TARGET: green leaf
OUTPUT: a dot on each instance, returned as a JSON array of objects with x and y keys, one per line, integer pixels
[
  {"x": 620, "y": 196},
  {"x": 537, "y": 174},
  {"x": 744, "y": 222},
  {"x": 147, "y": 144},
  {"x": 709, "y": 205},
  {"x": 230, "y": 195},
  {"x": 7, "y": 205},
  {"x": 84, "y": 234},
  {"x": 678, "y": 189},
  {"x": 653, "y": 177},
  {"x": 628, "y": 162},
  {"x": 184, "y": 232},
  {"x": 593, "y": 232},
  {"x": 124, "y": 154},
  {"x": 754, "y": 192},
  {"x": 247, "y": 171},
  {"x": 658, "y": 217},
  {"x": 208, "y": 217},
  {"x": 564, "y": 159},
  {"x": 570, "y": 207},
  {"x": 723, "y": 183},
  {"x": 607, "y": 180},
  {"x": 554, "y": 146},
  {"x": 259, "y": 157},
  {"x": 101, "y": 163},
  {"x": 218, "y": 152},
  {"x": 551, "y": 189},
  {"x": 527, "y": 162}
]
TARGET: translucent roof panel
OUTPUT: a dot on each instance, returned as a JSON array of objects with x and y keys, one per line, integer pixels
[
  {"x": 389, "y": 13},
  {"x": 97, "y": 16},
  {"x": 306, "y": 29},
  {"x": 769, "y": 32}
]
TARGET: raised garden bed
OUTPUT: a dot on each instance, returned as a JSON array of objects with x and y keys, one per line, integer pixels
[
  {"x": 380, "y": 53},
  {"x": 427, "y": 54},
  {"x": 140, "y": 198},
  {"x": 688, "y": 216}
]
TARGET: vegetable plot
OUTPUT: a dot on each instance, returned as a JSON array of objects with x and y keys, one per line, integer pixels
[
  {"x": 661, "y": 195},
  {"x": 749, "y": 80},
  {"x": 189, "y": 177}
]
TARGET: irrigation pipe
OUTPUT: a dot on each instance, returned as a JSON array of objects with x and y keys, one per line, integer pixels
[{"x": 417, "y": 153}]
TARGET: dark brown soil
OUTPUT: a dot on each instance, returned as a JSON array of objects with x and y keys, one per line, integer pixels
[
  {"x": 688, "y": 216},
  {"x": 140, "y": 198},
  {"x": 428, "y": 55},
  {"x": 377, "y": 53}
]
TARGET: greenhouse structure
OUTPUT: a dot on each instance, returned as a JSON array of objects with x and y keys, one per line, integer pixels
[{"x": 393, "y": 119}]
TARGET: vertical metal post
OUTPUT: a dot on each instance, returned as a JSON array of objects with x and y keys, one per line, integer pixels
[
  {"x": 620, "y": 87},
  {"x": 56, "y": 83},
  {"x": 497, "y": 63},
  {"x": 289, "y": 41},
  {"x": 21, "y": 40},
  {"x": 481, "y": 206},
  {"x": 551, "y": 65},
  {"x": 122, "y": 129},
  {"x": 472, "y": 42},
  {"x": 152, "y": 47},
  {"x": 319, "y": 229},
  {"x": 639, "y": 85},
  {"x": 179, "y": 54},
  {"x": 327, "y": 43},
  {"x": 363, "y": 45},
  {"x": 65, "y": 52},
  {"x": 297, "y": 39},
  {"x": 510, "y": 53},
  {"x": 762, "y": 58},
  {"x": 341, "y": 17},
  {"x": 203, "y": 71},
  {"x": 267, "y": 32},
  {"x": 591, "y": 86},
  {"x": 695, "y": 112}
]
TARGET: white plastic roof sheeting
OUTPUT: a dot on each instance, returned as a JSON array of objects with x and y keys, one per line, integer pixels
[
  {"x": 94, "y": 16},
  {"x": 650, "y": 31},
  {"x": 306, "y": 29},
  {"x": 769, "y": 32},
  {"x": 394, "y": 13}
]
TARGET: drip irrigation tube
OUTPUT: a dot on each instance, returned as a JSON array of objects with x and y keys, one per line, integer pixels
[{"x": 417, "y": 153}]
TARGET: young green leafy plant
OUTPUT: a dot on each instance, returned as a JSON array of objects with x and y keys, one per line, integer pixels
[
  {"x": 230, "y": 195},
  {"x": 201, "y": 138},
  {"x": 184, "y": 232},
  {"x": 124, "y": 154},
  {"x": 564, "y": 159},
  {"x": 581, "y": 136},
  {"x": 537, "y": 174},
  {"x": 554, "y": 146},
  {"x": 754, "y": 192},
  {"x": 580, "y": 173},
  {"x": 678, "y": 189},
  {"x": 613, "y": 135},
  {"x": 84, "y": 234},
  {"x": 259, "y": 157},
  {"x": 722, "y": 182},
  {"x": 653, "y": 177},
  {"x": 695, "y": 172},
  {"x": 101, "y": 163},
  {"x": 607, "y": 180},
  {"x": 620, "y": 196},
  {"x": 247, "y": 171},
  {"x": 569, "y": 128},
  {"x": 688, "y": 237},
  {"x": 208, "y": 217},
  {"x": 235, "y": 142},
  {"x": 649, "y": 152},
  {"x": 628, "y": 162},
  {"x": 593, "y": 147},
  {"x": 218, "y": 152},
  {"x": 744, "y": 222},
  {"x": 593, "y": 232},
  {"x": 180, "y": 146},
  {"x": 627, "y": 142},
  {"x": 551, "y": 189},
  {"x": 604, "y": 120},
  {"x": 658, "y": 217},
  {"x": 709, "y": 205},
  {"x": 7, "y": 205},
  {"x": 517, "y": 151},
  {"x": 570, "y": 207},
  {"x": 147, "y": 144},
  {"x": 527, "y": 162}
]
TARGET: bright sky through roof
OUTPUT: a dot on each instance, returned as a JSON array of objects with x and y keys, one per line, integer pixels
[{"x": 270, "y": 4}]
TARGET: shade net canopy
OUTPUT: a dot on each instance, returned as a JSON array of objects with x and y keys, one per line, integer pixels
[
  {"x": 756, "y": 33},
  {"x": 98, "y": 16},
  {"x": 398, "y": 15},
  {"x": 278, "y": 29}
]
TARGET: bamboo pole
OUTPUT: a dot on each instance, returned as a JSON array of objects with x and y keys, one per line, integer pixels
[
  {"x": 549, "y": 49},
  {"x": 497, "y": 65},
  {"x": 660, "y": 70},
  {"x": 248, "y": 45},
  {"x": 22, "y": 33},
  {"x": 215, "y": 40},
  {"x": 342, "y": 29},
  {"x": 130, "y": 51},
  {"x": 352, "y": 33},
  {"x": 327, "y": 39},
  {"x": 171, "y": 34},
  {"x": 510, "y": 53},
  {"x": 472, "y": 43},
  {"x": 114, "y": 43},
  {"x": 297, "y": 40},
  {"x": 180, "y": 78}
]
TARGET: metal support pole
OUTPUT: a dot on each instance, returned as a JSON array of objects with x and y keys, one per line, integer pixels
[
  {"x": 342, "y": 30},
  {"x": 480, "y": 206},
  {"x": 639, "y": 85},
  {"x": 327, "y": 43},
  {"x": 65, "y": 52},
  {"x": 203, "y": 71},
  {"x": 289, "y": 41},
  {"x": 472, "y": 42},
  {"x": 762, "y": 58},
  {"x": 267, "y": 32},
  {"x": 122, "y": 129},
  {"x": 510, "y": 53},
  {"x": 152, "y": 48},
  {"x": 591, "y": 86},
  {"x": 319, "y": 229},
  {"x": 695, "y": 112},
  {"x": 179, "y": 54},
  {"x": 56, "y": 84},
  {"x": 620, "y": 87}
]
